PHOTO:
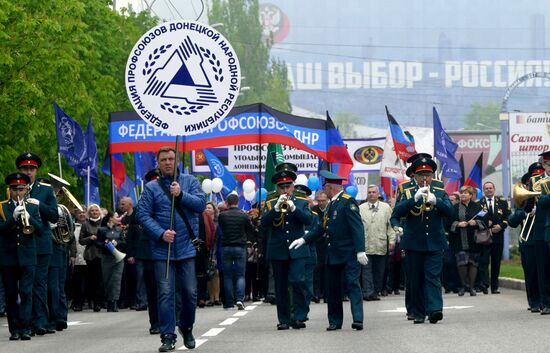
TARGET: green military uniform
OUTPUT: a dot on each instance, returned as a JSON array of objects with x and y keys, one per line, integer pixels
[
  {"x": 541, "y": 234},
  {"x": 345, "y": 238},
  {"x": 424, "y": 241},
  {"x": 48, "y": 213},
  {"x": 18, "y": 262},
  {"x": 288, "y": 265}
]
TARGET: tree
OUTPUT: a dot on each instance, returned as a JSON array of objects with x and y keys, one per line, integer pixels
[
  {"x": 483, "y": 117},
  {"x": 265, "y": 77},
  {"x": 73, "y": 52}
]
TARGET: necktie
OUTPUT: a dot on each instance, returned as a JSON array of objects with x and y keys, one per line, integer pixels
[
  {"x": 372, "y": 206},
  {"x": 490, "y": 205}
]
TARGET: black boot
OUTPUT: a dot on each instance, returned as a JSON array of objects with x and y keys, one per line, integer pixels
[
  {"x": 110, "y": 306},
  {"x": 168, "y": 344},
  {"x": 188, "y": 339}
]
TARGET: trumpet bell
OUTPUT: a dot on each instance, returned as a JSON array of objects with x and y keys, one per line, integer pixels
[{"x": 520, "y": 195}]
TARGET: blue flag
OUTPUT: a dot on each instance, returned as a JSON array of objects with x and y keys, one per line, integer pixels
[
  {"x": 218, "y": 170},
  {"x": 126, "y": 189},
  {"x": 90, "y": 161},
  {"x": 445, "y": 149},
  {"x": 143, "y": 162},
  {"x": 70, "y": 139}
]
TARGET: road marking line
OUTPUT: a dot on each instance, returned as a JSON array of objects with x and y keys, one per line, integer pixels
[
  {"x": 250, "y": 307},
  {"x": 229, "y": 321},
  {"x": 403, "y": 310},
  {"x": 198, "y": 342},
  {"x": 240, "y": 313},
  {"x": 213, "y": 332}
]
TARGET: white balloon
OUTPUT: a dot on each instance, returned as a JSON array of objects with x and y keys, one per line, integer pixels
[
  {"x": 301, "y": 179},
  {"x": 207, "y": 186},
  {"x": 249, "y": 196},
  {"x": 217, "y": 185},
  {"x": 249, "y": 185}
]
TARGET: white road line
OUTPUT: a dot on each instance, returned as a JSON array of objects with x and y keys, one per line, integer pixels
[
  {"x": 403, "y": 310},
  {"x": 250, "y": 307},
  {"x": 229, "y": 321},
  {"x": 198, "y": 342},
  {"x": 213, "y": 332},
  {"x": 240, "y": 313}
]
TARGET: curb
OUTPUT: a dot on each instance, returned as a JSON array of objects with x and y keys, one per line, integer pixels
[{"x": 511, "y": 283}]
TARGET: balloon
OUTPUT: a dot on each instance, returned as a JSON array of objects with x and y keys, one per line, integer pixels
[
  {"x": 249, "y": 196},
  {"x": 479, "y": 193},
  {"x": 263, "y": 194},
  {"x": 313, "y": 183},
  {"x": 301, "y": 179},
  {"x": 207, "y": 186},
  {"x": 352, "y": 190},
  {"x": 248, "y": 185},
  {"x": 217, "y": 185}
]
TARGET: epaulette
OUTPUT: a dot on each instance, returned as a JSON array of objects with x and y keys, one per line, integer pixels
[
  {"x": 346, "y": 196},
  {"x": 2, "y": 210},
  {"x": 299, "y": 193},
  {"x": 271, "y": 195},
  {"x": 315, "y": 213},
  {"x": 438, "y": 188},
  {"x": 301, "y": 198},
  {"x": 438, "y": 183},
  {"x": 44, "y": 184}
]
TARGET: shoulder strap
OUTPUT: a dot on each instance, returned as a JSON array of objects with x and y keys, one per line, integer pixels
[{"x": 180, "y": 211}]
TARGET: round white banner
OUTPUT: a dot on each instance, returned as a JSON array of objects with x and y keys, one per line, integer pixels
[{"x": 183, "y": 77}]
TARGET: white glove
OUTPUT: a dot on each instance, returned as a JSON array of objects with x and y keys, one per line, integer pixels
[
  {"x": 432, "y": 199},
  {"x": 291, "y": 205},
  {"x": 33, "y": 201},
  {"x": 281, "y": 199},
  {"x": 398, "y": 230},
  {"x": 362, "y": 258},
  {"x": 297, "y": 243},
  {"x": 18, "y": 212},
  {"x": 420, "y": 193},
  {"x": 53, "y": 225}
]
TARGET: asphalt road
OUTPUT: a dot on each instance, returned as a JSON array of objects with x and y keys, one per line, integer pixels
[{"x": 485, "y": 323}]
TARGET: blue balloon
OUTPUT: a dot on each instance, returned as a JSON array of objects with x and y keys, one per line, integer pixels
[
  {"x": 313, "y": 183},
  {"x": 352, "y": 190},
  {"x": 263, "y": 194},
  {"x": 479, "y": 193}
]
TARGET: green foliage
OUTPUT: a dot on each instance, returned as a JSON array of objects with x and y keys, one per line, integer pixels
[
  {"x": 345, "y": 122},
  {"x": 266, "y": 78},
  {"x": 483, "y": 117},
  {"x": 73, "y": 52}
]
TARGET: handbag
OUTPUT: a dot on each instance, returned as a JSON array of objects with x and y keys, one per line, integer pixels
[{"x": 483, "y": 237}]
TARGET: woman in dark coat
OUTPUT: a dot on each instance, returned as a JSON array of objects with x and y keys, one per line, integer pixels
[{"x": 466, "y": 221}]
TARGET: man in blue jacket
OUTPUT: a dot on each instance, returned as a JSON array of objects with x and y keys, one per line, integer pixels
[{"x": 154, "y": 215}]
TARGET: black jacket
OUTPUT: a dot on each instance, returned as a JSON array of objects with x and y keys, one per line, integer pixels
[{"x": 236, "y": 227}]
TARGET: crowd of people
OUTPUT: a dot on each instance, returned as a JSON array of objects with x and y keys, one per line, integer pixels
[{"x": 174, "y": 252}]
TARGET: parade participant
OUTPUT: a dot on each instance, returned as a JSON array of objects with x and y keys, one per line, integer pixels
[
  {"x": 462, "y": 238},
  {"x": 287, "y": 215},
  {"x": 497, "y": 213},
  {"x": 345, "y": 251},
  {"x": 154, "y": 215},
  {"x": 140, "y": 250},
  {"x": 320, "y": 273},
  {"x": 379, "y": 240},
  {"x": 540, "y": 205},
  {"x": 527, "y": 243},
  {"x": 64, "y": 248},
  {"x": 424, "y": 207},
  {"x": 92, "y": 256},
  {"x": 19, "y": 226},
  {"x": 129, "y": 294},
  {"x": 236, "y": 229},
  {"x": 80, "y": 269},
  {"x": 41, "y": 195}
]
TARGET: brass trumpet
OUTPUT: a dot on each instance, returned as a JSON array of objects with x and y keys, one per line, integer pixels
[
  {"x": 520, "y": 194},
  {"x": 27, "y": 227},
  {"x": 427, "y": 206},
  {"x": 284, "y": 206}
]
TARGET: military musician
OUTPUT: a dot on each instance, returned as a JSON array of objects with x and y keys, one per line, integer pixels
[
  {"x": 424, "y": 206},
  {"x": 288, "y": 216},
  {"x": 42, "y": 196},
  {"x": 19, "y": 224}
]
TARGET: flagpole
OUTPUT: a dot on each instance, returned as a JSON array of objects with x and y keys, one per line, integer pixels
[
  {"x": 88, "y": 186},
  {"x": 260, "y": 161},
  {"x": 172, "y": 209},
  {"x": 59, "y": 163}
]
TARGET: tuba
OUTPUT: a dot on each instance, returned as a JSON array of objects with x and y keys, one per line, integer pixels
[
  {"x": 63, "y": 233},
  {"x": 520, "y": 194}
]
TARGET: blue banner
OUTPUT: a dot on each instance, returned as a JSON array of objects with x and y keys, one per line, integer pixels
[
  {"x": 70, "y": 139},
  {"x": 445, "y": 149},
  {"x": 218, "y": 170}
]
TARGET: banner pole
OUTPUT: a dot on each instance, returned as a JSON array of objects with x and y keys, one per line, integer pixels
[
  {"x": 59, "y": 163},
  {"x": 173, "y": 205}
]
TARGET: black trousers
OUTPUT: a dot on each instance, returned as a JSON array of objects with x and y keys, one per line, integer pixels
[
  {"x": 18, "y": 282},
  {"x": 542, "y": 256},
  {"x": 529, "y": 264},
  {"x": 151, "y": 289}
]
